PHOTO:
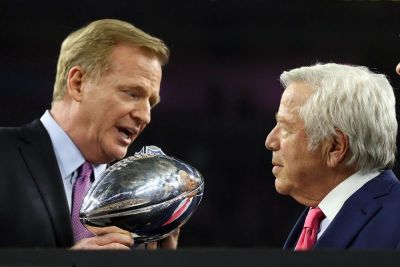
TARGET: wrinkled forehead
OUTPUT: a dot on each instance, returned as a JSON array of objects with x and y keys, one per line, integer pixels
[{"x": 296, "y": 94}]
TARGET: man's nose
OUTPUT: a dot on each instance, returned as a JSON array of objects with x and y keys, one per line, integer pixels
[
  {"x": 142, "y": 112},
  {"x": 271, "y": 142}
]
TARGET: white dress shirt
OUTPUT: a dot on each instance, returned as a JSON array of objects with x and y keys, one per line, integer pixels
[
  {"x": 68, "y": 156},
  {"x": 335, "y": 199}
]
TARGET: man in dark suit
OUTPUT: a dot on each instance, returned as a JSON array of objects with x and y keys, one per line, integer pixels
[
  {"x": 333, "y": 148},
  {"x": 108, "y": 79}
]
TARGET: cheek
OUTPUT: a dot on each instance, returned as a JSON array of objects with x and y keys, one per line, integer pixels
[
  {"x": 106, "y": 133},
  {"x": 305, "y": 168},
  {"x": 297, "y": 148},
  {"x": 295, "y": 170},
  {"x": 297, "y": 162},
  {"x": 111, "y": 117},
  {"x": 292, "y": 152}
]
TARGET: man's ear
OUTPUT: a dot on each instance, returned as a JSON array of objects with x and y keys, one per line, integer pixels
[
  {"x": 74, "y": 83},
  {"x": 337, "y": 149}
]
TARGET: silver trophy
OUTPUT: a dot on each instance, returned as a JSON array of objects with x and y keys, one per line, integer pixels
[{"x": 149, "y": 194}]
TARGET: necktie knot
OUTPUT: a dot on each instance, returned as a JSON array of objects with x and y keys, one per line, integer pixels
[
  {"x": 314, "y": 218},
  {"x": 85, "y": 170},
  {"x": 80, "y": 188},
  {"x": 308, "y": 236}
]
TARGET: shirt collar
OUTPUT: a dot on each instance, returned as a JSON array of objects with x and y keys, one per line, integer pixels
[
  {"x": 68, "y": 156},
  {"x": 335, "y": 199}
]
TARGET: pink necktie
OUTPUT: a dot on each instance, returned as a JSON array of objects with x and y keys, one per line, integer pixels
[
  {"x": 80, "y": 188},
  {"x": 308, "y": 236}
]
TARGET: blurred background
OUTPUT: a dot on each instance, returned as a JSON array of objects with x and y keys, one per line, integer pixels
[{"x": 220, "y": 90}]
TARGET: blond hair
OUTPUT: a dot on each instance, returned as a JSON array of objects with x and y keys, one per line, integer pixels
[{"x": 90, "y": 47}]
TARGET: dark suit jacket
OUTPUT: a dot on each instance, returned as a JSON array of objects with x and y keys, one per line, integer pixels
[
  {"x": 369, "y": 219},
  {"x": 33, "y": 207}
]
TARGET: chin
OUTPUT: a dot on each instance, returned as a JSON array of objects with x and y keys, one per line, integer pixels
[
  {"x": 117, "y": 154},
  {"x": 281, "y": 187},
  {"x": 120, "y": 156}
]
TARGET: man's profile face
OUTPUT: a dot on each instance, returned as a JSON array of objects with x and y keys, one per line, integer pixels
[
  {"x": 398, "y": 69},
  {"x": 116, "y": 107},
  {"x": 298, "y": 171}
]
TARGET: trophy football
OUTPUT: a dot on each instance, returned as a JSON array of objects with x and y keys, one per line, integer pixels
[{"x": 148, "y": 194}]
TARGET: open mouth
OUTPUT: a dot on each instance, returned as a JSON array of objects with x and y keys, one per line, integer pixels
[{"x": 126, "y": 133}]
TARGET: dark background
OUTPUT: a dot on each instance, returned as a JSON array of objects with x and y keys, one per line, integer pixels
[{"x": 220, "y": 90}]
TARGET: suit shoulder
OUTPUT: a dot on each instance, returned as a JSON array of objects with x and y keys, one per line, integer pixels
[{"x": 9, "y": 136}]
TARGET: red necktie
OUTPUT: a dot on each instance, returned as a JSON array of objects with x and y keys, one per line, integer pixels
[
  {"x": 308, "y": 236},
  {"x": 81, "y": 186}
]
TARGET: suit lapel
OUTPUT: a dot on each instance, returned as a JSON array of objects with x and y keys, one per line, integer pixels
[
  {"x": 356, "y": 213},
  {"x": 37, "y": 152},
  {"x": 291, "y": 241},
  {"x": 348, "y": 222}
]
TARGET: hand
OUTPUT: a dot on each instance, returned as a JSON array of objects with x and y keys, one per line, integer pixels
[
  {"x": 106, "y": 238},
  {"x": 170, "y": 242}
]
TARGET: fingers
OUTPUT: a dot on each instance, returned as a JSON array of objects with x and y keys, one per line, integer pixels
[
  {"x": 110, "y": 238},
  {"x": 106, "y": 230},
  {"x": 170, "y": 242},
  {"x": 114, "y": 240},
  {"x": 152, "y": 245},
  {"x": 90, "y": 245}
]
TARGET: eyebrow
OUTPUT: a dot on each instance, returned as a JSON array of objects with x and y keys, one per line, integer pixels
[
  {"x": 155, "y": 100},
  {"x": 281, "y": 119}
]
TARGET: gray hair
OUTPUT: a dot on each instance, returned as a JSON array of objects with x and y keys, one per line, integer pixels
[{"x": 355, "y": 100}]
